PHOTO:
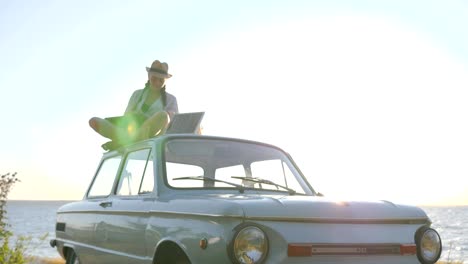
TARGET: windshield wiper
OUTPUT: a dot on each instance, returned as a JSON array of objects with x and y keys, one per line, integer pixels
[
  {"x": 263, "y": 181},
  {"x": 201, "y": 178}
]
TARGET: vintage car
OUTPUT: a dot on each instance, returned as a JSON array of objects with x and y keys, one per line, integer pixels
[{"x": 187, "y": 198}]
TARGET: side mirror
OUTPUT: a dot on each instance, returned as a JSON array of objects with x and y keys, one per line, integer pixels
[{"x": 319, "y": 194}]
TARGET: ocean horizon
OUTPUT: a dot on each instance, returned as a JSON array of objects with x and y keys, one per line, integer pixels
[{"x": 35, "y": 219}]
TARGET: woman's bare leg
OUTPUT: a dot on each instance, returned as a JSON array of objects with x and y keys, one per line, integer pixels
[
  {"x": 106, "y": 128},
  {"x": 155, "y": 125}
]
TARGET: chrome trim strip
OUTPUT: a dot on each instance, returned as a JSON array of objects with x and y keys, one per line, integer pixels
[
  {"x": 307, "y": 249},
  {"x": 319, "y": 220},
  {"x": 105, "y": 212},
  {"x": 198, "y": 214},
  {"x": 115, "y": 212}
]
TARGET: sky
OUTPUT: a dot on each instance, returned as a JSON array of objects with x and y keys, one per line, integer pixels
[{"x": 368, "y": 97}]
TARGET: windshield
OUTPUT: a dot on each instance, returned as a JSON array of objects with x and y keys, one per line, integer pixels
[{"x": 211, "y": 163}]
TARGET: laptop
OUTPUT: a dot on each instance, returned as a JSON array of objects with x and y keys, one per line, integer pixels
[{"x": 185, "y": 123}]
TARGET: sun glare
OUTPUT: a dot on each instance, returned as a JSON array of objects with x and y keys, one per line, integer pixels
[
  {"x": 369, "y": 108},
  {"x": 366, "y": 106}
]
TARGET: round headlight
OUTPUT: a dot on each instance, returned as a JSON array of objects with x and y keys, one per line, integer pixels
[
  {"x": 429, "y": 245},
  {"x": 250, "y": 245}
]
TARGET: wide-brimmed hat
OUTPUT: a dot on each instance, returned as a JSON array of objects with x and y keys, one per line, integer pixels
[{"x": 160, "y": 69}]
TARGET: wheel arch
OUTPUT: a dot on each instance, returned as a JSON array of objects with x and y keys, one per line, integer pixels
[
  {"x": 164, "y": 251},
  {"x": 66, "y": 248}
]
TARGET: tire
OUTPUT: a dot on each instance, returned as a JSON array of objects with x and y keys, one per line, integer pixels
[
  {"x": 173, "y": 260},
  {"x": 72, "y": 258},
  {"x": 170, "y": 253}
]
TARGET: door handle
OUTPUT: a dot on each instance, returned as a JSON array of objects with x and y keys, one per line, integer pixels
[{"x": 105, "y": 204}]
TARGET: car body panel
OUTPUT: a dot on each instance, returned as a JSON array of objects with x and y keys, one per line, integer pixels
[{"x": 130, "y": 229}]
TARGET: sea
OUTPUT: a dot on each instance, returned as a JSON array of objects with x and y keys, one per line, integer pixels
[{"x": 35, "y": 220}]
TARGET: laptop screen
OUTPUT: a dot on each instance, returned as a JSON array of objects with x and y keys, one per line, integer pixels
[{"x": 185, "y": 123}]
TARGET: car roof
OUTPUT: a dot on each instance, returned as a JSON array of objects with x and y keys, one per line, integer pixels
[{"x": 166, "y": 137}]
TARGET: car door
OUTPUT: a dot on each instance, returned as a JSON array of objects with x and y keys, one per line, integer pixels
[
  {"x": 98, "y": 201},
  {"x": 129, "y": 213}
]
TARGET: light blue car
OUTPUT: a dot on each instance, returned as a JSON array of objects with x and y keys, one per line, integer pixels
[{"x": 202, "y": 199}]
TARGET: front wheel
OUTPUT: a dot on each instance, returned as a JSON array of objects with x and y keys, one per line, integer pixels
[{"x": 72, "y": 258}]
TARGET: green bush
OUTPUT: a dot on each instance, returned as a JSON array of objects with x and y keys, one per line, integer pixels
[{"x": 9, "y": 254}]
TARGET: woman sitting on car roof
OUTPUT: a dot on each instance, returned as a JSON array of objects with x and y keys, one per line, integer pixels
[{"x": 148, "y": 112}]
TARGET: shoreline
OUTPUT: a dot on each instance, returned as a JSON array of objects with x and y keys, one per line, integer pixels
[{"x": 44, "y": 260}]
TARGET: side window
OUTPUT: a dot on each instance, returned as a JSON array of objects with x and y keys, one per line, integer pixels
[
  {"x": 291, "y": 180},
  {"x": 137, "y": 175},
  {"x": 276, "y": 171},
  {"x": 270, "y": 170},
  {"x": 103, "y": 183}
]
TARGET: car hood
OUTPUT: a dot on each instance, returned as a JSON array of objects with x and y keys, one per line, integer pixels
[{"x": 280, "y": 207}]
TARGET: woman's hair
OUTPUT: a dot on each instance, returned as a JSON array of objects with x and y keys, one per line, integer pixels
[
  {"x": 164, "y": 96},
  {"x": 163, "y": 93}
]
